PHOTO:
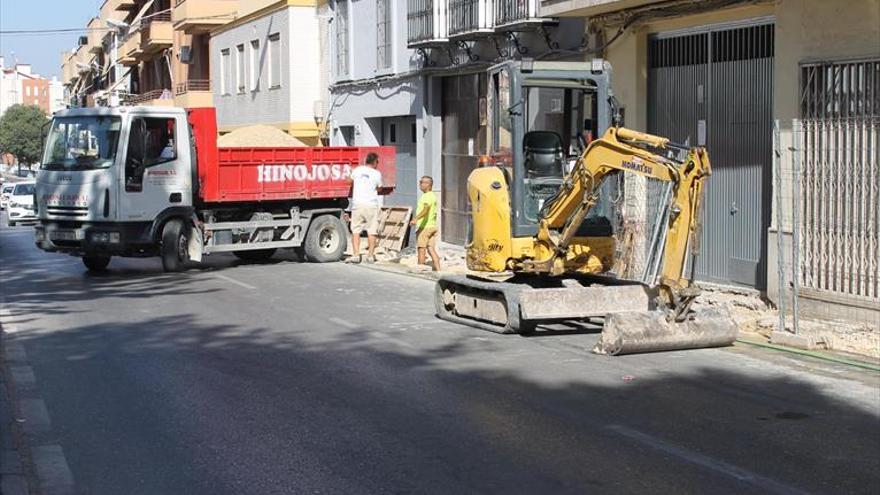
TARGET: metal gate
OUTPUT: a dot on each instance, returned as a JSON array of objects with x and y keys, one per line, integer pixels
[{"x": 713, "y": 87}]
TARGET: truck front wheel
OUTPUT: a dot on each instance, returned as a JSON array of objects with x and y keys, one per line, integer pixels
[
  {"x": 96, "y": 263},
  {"x": 325, "y": 240},
  {"x": 175, "y": 246}
]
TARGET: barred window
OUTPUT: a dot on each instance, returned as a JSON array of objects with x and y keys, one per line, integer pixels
[
  {"x": 341, "y": 38},
  {"x": 383, "y": 34}
]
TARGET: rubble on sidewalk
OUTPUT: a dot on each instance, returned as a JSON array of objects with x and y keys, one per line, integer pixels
[{"x": 757, "y": 319}]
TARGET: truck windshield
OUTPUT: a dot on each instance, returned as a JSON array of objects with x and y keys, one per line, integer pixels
[{"x": 82, "y": 143}]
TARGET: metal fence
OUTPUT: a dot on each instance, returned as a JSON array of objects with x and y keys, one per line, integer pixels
[
  {"x": 827, "y": 188},
  {"x": 514, "y": 11},
  {"x": 420, "y": 20}
]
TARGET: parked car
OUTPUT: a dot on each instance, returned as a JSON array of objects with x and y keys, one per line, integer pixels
[
  {"x": 21, "y": 204},
  {"x": 4, "y": 195}
]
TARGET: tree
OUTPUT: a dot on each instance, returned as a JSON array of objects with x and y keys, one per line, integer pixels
[{"x": 21, "y": 132}]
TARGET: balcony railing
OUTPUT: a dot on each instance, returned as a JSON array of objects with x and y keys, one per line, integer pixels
[
  {"x": 149, "y": 96},
  {"x": 192, "y": 85},
  {"x": 426, "y": 22},
  {"x": 468, "y": 17},
  {"x": 515, "y": 12}
]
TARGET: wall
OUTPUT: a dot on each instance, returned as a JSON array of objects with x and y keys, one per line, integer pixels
[{"x": 289, "y": 107}]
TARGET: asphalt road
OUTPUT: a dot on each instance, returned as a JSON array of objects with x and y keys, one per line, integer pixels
[{"x": 290, "y": 377}]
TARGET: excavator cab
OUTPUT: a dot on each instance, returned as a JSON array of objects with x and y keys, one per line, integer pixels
[{"x": 542, "y": 115}]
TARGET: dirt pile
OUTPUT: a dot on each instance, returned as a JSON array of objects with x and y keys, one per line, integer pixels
[{"x": 258, "y": 136}]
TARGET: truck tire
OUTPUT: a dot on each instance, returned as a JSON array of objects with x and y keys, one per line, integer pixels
[
  {"x": 174, "y": 251},
  {"x": 325, "y": 240},
  {"x": 96, "y": 263},
  {"x": 255, "y": 254}
]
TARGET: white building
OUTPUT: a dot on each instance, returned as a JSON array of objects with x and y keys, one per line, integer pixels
[{"x": 266, "y": 70}]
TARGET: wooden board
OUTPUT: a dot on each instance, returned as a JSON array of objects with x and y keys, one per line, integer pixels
[{"x": 393, "y": 229}]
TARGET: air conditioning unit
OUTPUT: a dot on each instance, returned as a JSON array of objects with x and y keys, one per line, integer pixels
[
  {"x": 83, "y": 40},
  {"x": 186, "y": 54}
]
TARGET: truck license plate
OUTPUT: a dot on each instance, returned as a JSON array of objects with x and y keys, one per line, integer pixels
[{"x": 63, "y": 235}]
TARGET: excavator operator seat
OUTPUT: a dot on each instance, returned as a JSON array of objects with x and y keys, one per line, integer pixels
[
  {"x": 543, "y": 154},
  {"x": 544, "y": 159}
]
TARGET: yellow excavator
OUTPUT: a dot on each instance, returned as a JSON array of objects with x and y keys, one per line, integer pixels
[{"x": 552, "y": 235}]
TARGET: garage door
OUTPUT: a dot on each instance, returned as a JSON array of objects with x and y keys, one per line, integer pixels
[{"x": 713, "y": 88}]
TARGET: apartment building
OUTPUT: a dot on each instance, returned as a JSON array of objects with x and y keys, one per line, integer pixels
[
  {"x": 266, "y": 69},
  {"x": 719, "y": 73},
  {"x": 413, "y": 74},
  {"x": 20, "y": 86},
  {"x": 148, "y": 52}
]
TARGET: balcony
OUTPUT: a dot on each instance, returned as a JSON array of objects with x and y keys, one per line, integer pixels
[
  {"x": 426, "y": 23},
  {"x": 588, "y": 8},
  {"x": 193, "y": 93},
  {"x": 470, "y": 18},
  {"x": 201, "y": 16},
  {"x": 117, "y": 5},
  {"x": 130, "y": 51},
  {"x": 157, "y": 34},
  {"x": 154, "y": 98},
  {"x": 516, "y": 14},
  {"x": 96, "y": 35}
]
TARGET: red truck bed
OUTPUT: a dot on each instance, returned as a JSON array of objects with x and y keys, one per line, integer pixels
[{"x": 277, "y": 174}]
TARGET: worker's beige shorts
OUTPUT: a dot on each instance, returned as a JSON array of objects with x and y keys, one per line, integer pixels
[
  {"x": 365, "y": 218},
  {"x": 427, "y": 237}
]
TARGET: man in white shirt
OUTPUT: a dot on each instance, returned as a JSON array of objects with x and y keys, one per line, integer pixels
[{"x": 365, "y": 202}]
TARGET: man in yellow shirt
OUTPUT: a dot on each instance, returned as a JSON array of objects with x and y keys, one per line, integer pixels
[{"x": 426, "y": 223}]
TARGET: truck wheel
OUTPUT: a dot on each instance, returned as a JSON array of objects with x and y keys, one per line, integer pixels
[
  {"x": 254, "y": 254},
  {"x": 325, "y": 239},
  {"x": 175, "y": 242},
  {"x": 96, "y": 263}
]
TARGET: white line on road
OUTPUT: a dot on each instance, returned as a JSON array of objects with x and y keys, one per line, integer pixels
[
  {"x": 344, "y": 323},
  {"x": 236, "y": 282},
  {"x": 716, "y": 465}
]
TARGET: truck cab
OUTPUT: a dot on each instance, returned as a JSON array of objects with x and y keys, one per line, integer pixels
[{"x": 108, "y": 175}]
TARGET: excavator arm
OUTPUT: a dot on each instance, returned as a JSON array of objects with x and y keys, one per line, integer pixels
[{"x": 624, "y": 150}]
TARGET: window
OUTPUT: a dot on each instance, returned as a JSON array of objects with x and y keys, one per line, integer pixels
[
  {"x": 27, "y": 90},
  {"x": 341, "y": 38},
  {"x": 81, "y": 143},
  {"x": 239, "y": 68},
  {"x": 225, "y": 72},
  {"x": 150, "y": 142},
  {"x": 275, "y": 61},
  {"x": 383, "y": 34},
  {"x": 255, "y": 65}
]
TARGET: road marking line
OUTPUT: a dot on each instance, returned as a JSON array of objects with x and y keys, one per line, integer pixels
[
  {"x": 705, "y": 461},
  {"x": 236, "y": 282},
  {"x": 52, "y": 469},
  {"x": 344, "y": 323}
]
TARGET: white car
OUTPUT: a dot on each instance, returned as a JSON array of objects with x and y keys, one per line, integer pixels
[
  {"x": 4, "y": 195},
  {"x": 21, "y": 204}
]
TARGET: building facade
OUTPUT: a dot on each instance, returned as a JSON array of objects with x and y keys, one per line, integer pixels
[
  {"x": 266, "y": 70},
  {"x": 722, "y": 73}
]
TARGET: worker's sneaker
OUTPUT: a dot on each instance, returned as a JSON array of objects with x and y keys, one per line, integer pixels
[
  {"x": 371, "y": 259},
  {"x": 353, "y": 259}
]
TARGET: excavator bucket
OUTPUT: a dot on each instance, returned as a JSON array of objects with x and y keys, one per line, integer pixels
[{"x": 637, "y": 332}]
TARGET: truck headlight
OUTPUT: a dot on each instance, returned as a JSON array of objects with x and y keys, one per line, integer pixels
[
  {"x": 115, "y": 238},
  {"x": 100, "y": 237}
]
